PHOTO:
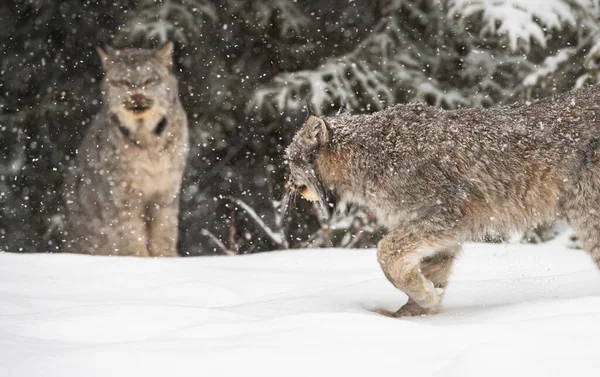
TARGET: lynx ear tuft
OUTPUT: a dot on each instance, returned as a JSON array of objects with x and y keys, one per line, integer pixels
[
  {"x": 316, "y": 130},
  {"x": 165, "y": 54},
  {"x": 105, "y": 56}
]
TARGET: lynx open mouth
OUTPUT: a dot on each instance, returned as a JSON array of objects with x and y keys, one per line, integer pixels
[
  {"x": 138, "y": 104},
  {"x": 138, "y": 109}
]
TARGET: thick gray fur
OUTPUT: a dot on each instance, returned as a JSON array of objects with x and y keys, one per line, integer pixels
[
  {"x": 122, "y": 195},
  {"x": 438, "y": 178}
]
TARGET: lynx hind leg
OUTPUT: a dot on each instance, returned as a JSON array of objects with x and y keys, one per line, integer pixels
[
  {"x": 419, "y": 269},
  {"x": 585, "y": 220}
]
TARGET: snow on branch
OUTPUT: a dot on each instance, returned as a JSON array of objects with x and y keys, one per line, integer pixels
[
  {"x": 428, "y": 59},
  {"x": 389, "y": 63},
  {"x": 366, "y": 75},
  {"x": 168, "y": 19},
  {"x": 578, "y": 61},
  {"x": 284, "y": 16},
  {"x": 549, "y": 67},
  {"x": 522, "y": 22},
  {"x": 493, "y": 76},
  {"x": 336, "y": 81},
  {"x": 292, "y": 18}
]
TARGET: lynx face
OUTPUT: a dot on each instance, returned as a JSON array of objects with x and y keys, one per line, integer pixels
[
  {"x": 301, "y": 155},
  {"x": 138, "y": 85}
]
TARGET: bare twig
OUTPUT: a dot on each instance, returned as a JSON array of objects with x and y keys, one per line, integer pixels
[
  {"x": 233, "y": 245},
  {"x": 217, "y": 242},
  {"x": 325, "y": 228},
  {"x": 278, "y": 236}
]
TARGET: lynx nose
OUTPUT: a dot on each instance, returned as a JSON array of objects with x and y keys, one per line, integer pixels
[{"x": 138, "y": 103}]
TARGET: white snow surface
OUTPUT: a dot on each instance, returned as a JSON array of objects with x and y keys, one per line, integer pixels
[{"x": 510, "y": 310}]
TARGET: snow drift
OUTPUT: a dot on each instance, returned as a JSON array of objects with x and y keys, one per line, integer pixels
[{"x": 510, "y": 310}]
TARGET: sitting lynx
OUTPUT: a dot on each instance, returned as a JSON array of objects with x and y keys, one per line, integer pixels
[
  {"x": 122, "y": 196},
  {"x": 439, "y": 178}
]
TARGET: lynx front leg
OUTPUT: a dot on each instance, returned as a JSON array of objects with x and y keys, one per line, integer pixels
[
  {"x": 437, "y": 269},
  {"x": 130, "y": 235},
  {"x": 162, "y": 226},
  {"x": 585, "y": 220},
  {"x": 420, "y": 268}
]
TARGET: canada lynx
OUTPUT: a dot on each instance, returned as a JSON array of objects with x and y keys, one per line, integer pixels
[
  {"x": 122, "y": 195},
  {"x": 439, "y": 178}
]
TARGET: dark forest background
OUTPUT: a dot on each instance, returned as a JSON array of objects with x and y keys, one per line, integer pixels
[{"x": 246, "y": 70}]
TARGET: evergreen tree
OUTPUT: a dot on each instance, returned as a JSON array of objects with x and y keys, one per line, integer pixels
[{"x": 246, "y": 70}]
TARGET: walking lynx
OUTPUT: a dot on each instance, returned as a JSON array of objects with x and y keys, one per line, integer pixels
[
  {"x": 439, "y": 178},
  {"x": 122, "y": 195}
]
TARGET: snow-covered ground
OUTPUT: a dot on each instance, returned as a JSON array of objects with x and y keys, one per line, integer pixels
[{"x": 511, "y": 310}]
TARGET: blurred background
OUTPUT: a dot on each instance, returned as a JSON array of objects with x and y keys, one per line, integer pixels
[{"x": 246, "y": 70}]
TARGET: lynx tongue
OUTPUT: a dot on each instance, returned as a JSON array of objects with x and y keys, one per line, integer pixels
[{"x": 309, "y": 195}]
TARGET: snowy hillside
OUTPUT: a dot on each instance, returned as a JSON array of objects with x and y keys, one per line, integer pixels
[{"x": 511, "y": 310}]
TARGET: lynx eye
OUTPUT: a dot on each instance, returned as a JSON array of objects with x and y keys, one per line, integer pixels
[
  {"x": 124, "y": 82},
  {"x": 297, "y": 188},
  {"x": 150, "y": 81}
]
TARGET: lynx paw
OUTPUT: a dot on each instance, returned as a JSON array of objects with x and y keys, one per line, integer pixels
[
  {"x": 410, "y": 309},
  {"x": 431, "y": 298}
]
